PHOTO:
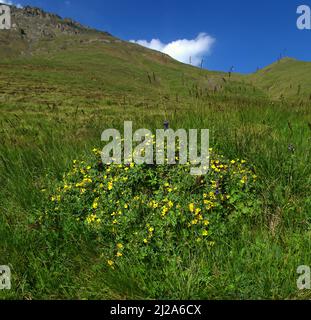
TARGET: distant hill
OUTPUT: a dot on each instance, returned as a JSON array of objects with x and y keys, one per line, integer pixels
[{"x": 285, "y": 78}]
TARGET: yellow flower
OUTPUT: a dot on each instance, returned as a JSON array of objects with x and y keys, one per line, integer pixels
[
  {"x": 197, "y": 211},
  {"x": 145, "y": 241},
  {"x": 126, "y": 206},
  {"x": 164, "y": 211},
  {"x": 191, "y": 207},
  {"x": 204, "y": 233},
  {"x": 119, "y": 254},
  {"x": 110, "y": 185},
  {"x": 120, "y": 246},
  {"x": 56, "y": 198},
  {"x": 170, "y": 204},
  {"x": 232, "y": 161},
  {"x": 95, "y": 205},
  {"x": 151, "y": 229},
  {"x": 195, "y": 221},
  {"x": 110, "y": 263},
  {"x": 91, "y": 218},
  {"x": 206, "y": 222},
  {"x": 212, "y": 195}
]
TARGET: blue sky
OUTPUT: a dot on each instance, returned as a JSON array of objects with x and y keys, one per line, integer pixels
[{"x": 241, "y": 33}]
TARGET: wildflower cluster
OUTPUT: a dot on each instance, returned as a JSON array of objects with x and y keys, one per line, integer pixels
[{"x": 152, "y": 210}]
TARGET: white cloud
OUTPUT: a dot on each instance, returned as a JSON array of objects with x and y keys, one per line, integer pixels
[
  {"x": 9, "y": 2},
  {"x": 183, "y": 49}
]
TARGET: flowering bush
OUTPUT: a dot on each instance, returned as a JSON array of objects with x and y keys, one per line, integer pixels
[{"x": 152, "y": 211}]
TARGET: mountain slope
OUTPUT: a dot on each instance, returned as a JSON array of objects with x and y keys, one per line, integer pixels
[
  {"x": 50, "y": 60},
  {"x": 285, "y": 78},
  {"x": 48, "y": 42},
  {"x": 33, "y": 27}
]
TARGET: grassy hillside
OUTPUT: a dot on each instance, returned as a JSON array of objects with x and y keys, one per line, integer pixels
[
  {"x": 54, "y": 104},
  {"x": 287, "y": 77}
]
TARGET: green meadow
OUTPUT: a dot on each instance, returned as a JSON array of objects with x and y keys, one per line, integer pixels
[{"x": 55, "y": 104}]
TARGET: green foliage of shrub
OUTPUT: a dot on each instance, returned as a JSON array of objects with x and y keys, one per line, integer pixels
[{"x": 154, "y": 212}]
